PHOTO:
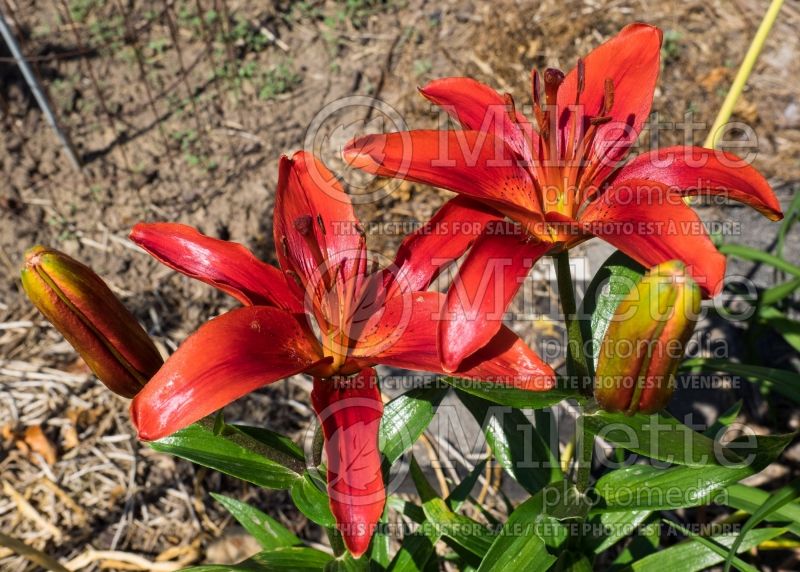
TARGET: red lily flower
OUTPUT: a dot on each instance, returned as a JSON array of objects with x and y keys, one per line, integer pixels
[
  {"x": 562, "y": 181},
  {"x": 327, "y": 284}
]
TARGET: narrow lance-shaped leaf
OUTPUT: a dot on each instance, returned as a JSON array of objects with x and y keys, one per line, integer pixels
[
  {"x": 782, "y": 381},
  {"x": 405, "y": 418},
  {"x": 515, "y": 443},
  {"x": 519, "y": 398},
  {"x": 782, "y": 497},
  {"x": 233, "y": 453},
  {"x": 534, "y": 526},
  {"x": 289, "y": 559},
  {"x": 643, "y": 487},
  {"x": 712, "y": 545},
  {"x": 267, "y": 531},
  {"x": 658, "y": 436}
]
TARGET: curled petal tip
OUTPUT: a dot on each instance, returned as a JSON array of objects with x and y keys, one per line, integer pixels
[{"x": 358, "y": 153}]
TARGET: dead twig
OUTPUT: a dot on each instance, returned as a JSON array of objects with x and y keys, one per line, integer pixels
[{"x": 32, "y": 554}]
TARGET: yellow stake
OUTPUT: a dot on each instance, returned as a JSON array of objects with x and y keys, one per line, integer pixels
[{"x": 744, "y": 72}]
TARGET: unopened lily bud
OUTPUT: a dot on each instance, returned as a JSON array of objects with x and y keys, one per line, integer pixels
[
  {"x": 91, "y": 318},
  {"x": 646, "y": 341}
]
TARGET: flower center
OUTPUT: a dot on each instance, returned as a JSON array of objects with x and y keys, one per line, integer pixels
[
  {"x": 566, "y": 164},
  {"x": 336, "y": 288}
]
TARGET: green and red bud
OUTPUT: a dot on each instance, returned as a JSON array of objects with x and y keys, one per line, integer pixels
[
  {"x": 91, "y": 318},
  {"x": 646, "y": 341}
]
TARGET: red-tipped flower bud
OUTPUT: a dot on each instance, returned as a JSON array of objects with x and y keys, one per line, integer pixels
[
  {"x": 80, "y": 305},
  {"x": 646, "y": 341}
]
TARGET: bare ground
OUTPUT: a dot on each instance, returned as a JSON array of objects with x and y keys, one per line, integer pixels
[{"x": 195, "y": 138}]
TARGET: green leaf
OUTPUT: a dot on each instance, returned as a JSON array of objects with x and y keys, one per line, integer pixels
[
  {"x": 613, "y": 280},
  {"x": 712, "y": 545},
  {"x": 790, "y": 217},
  {"x": 644, "y": 487},
  {"x": 309, "y": 496},
  {"x": 724, "y": 420},
  {"x": 776, "y": 293},
  {"x": 615, "y": 525},
  {"x": 291, "y": 559},
  {"x": 231, "y": 452},
  {"x": 417, "y": 547},
  {"x": 415, "y": 551},
  {"x": 691, "y": 556},
  {"x": 519, "y": 398},
  {"x": 465, "y": 532},
  {"x": 776, "y": 500},
  {"x": 781, "y": 323},
  {"x": 461, "y": 492},
  {"x": 267, "y": 531},
  {"x": 756, "y": 255},
  {"x": 405, "y": 418},
  {"x": 569, "y": 561},
  {"x": 379, "y": 553},
  {"x": 658, "y": 436},
  {"x": 515, "y": 443},
  {"x": 274, "y": 441},
  {"x": 533, "y": 526},
  {"x": 346, "y": 563},
  {"x": 750, "y": 499},
  {"x": 782, "y": 381},
  {"x": 646, "y": 541}
]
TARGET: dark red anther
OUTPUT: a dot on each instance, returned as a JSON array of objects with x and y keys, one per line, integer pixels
[
  {"x": 511, "y": 109},
  {"x": 608, "y": 95},
  {"x": 600, "y": 120},
  {"x": 536, "y": 88},
  {"x": 581, "y": 79},
  {"x": 552, "y": 81}
]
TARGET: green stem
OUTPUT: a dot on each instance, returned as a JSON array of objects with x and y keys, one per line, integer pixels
[
  {"x": 577, "y": 365},
  {"x": 744, "y": 72},
  {"x": 584, "y": 453},
  {"x": 336, "y": 540}
]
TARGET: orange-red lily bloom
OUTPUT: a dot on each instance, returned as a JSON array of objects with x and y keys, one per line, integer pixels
[
  {"x": 327, "y": 311},
  {"x": 561, "y": 179}
]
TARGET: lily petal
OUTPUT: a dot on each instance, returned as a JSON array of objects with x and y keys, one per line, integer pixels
[
  {"x": 478, "y": 107},
  {"x": 350, "y": 411},
  {"x": 444, "y": 238},
  {"x": 471, "y": 163},
  {"x": 312, "y": 210},
  {"x": 649, "y": 222},
  {"x": 404, "y": 335},
  {"x": 225, "y": 359},
  {"x": 486, "y": 283},
  {"x": 631, "y": 60},
  {"x": 699, "y": 171},
  {"x": 226, "y": 265}
]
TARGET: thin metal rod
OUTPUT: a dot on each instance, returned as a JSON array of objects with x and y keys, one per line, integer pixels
[{"x": 38, "y": 93}]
